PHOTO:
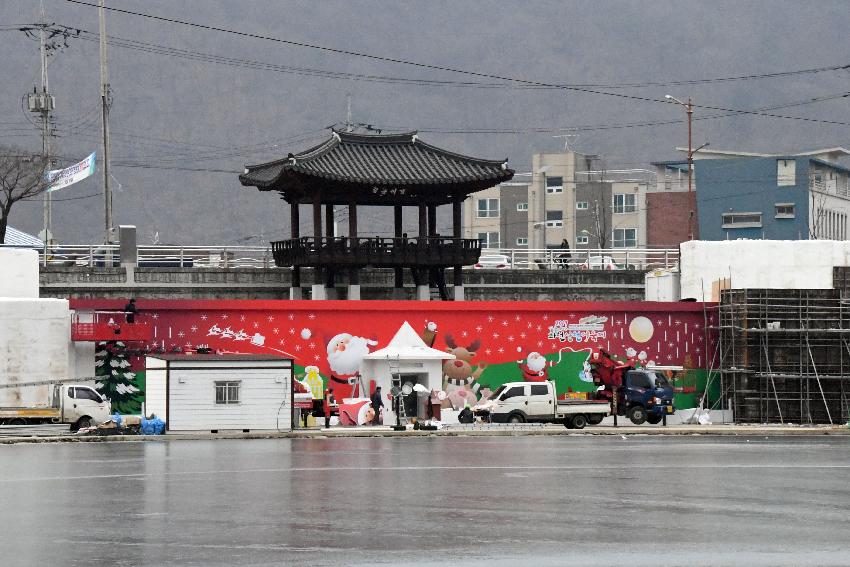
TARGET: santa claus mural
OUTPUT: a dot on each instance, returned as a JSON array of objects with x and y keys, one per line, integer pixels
[
  {"x": 534, "y": 368},
  {"x": 345, "y": 355}
]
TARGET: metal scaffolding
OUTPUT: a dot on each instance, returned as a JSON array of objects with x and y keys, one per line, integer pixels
[{"x": 785, "y": 355}]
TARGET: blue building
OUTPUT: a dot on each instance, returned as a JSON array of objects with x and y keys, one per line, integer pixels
[{"x": 768, "y": 196}]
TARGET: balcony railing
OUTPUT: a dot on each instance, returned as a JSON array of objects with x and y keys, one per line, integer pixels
[{"x": 376, "y": 252}]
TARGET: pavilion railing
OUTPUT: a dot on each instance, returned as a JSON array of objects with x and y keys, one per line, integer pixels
[{"x": 376, "y": 251}]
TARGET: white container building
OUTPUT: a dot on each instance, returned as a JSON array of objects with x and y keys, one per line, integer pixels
[{"x": 211, "y": 392}]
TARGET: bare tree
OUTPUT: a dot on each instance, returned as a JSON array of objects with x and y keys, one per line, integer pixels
[{"x": 21, "y": 177}]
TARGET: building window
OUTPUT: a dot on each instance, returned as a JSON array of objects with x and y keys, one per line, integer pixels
[
  {"x": 741, "y": 220},
  {"x": 554, "y": 218},
  {"x": 581, "y": 205},
  {"x": 785, "y": 210},
  {"x": 582, "y": 240},
  {"x": 227, "y": 392},
  {"x": 488, "y": 208},
  {"x": 520, "y": 207},
  {"x": 786, "y": 172},
  {"x": 554, "y": 184},
  {"x": 625, "y": 203},
  {"x": 625, "y": 237},
  {"x": 488, "y": 239},
  {"x": 522, "y": 241}
]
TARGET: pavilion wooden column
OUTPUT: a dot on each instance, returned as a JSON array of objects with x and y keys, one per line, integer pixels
[
  {"x": 423, "y": 292},
  {"x": 457, "y": 228},
  {"x": 294, "y": 234},
  {"x": 398, "y": 285},
  {"x": 329, "y": 234},
  {"x": 432, "y": 220},
  {"x": 318, "y": 287},
  {"x": 353, "y": 273}
]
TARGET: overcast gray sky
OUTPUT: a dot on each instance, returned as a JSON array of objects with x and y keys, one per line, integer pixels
[{"x": 172, "y": 114}]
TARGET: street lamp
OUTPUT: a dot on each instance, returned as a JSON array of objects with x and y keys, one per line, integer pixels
[{"x": 689, "y": 109}]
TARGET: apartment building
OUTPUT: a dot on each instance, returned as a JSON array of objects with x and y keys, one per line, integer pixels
[{"x": 567, "y": 196}]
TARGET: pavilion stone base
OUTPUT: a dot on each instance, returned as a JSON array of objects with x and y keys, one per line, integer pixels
[
  {"x": 458, "y": 293},
  {"x": 319, "y": 291},
  {"x": 423, "y": 293},
  {"x": 295, "y": 293},
  {"x": 353, "y": 291}
]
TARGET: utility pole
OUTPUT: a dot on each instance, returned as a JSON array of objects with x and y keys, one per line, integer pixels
[
  {"x": 689, "y": 110},
  {"x": 43, "y": 103},
  {"x": 106, "y": 101}
]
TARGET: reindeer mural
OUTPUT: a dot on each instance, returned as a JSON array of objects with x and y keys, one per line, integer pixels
[{"x": 460, "y": 376}]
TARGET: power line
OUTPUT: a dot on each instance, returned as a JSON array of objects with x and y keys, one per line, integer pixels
[
  {"x": 328, "y": 74},
  {"x": 433, "y": 67}
]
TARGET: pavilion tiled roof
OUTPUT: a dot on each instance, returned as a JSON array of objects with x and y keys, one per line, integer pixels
[{"x": 378, "y": 159}]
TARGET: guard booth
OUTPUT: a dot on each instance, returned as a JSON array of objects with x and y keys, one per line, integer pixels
[
  {"x": 213, "y": 392},
  {"x": 407, "y": 360}
]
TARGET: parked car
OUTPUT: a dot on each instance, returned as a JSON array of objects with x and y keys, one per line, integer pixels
[
  {"x": 493, "y": 262},
  {"x": 599, "y": 263}
]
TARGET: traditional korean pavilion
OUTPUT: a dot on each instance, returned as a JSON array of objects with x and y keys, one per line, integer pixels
[{"x": 387, "y": 170}]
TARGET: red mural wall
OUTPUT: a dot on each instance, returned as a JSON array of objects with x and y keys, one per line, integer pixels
[{"x": 506, "y": 339}]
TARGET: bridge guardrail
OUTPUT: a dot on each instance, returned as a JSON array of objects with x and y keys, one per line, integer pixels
[{"x": 100, "y": 255}]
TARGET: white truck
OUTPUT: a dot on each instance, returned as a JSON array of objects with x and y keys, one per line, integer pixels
[
  {"x": 49, "y": 402},
  {"x": 520, "y": 402}
]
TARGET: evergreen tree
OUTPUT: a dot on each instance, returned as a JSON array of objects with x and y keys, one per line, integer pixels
[{"x": 115, "y": 381}]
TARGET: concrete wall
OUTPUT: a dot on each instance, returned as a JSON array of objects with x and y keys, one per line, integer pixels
[
  {"x": 760, "y": 264},
  {"x": 81, "y": 360},
  {"x": 34, "y": 345},
  {"x": 18, "y": 273},
  {"x": 273, "y": 283}
]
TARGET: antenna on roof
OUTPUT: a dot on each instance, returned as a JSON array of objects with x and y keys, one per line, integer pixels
[{"x": 569, "y": 139}]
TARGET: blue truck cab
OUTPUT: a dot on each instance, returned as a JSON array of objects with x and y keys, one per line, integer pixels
[{"x": 646, "y": 396}]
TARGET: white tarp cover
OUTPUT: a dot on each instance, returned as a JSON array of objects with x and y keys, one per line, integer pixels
[{"x": 760, "y": 264}]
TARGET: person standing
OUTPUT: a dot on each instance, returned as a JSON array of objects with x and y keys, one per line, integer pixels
[
  {"x": 329, "y": 400},
  {"x": 377, "y": 404},
  {"x": 130, "y": 311}
]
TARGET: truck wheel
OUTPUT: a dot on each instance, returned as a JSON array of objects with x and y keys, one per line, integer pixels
[
  {"x": 654, "y": 419},
  {"x": 579, "y": 421},
  {"x": 516, "y": 418},
  {"x": 84, "y": 422},
  {"x": 17, "y": 421},
  {"x": 637, "y": 414},
  {"x": 568, "y": 423},
  {"x": 595, "y": 418}
]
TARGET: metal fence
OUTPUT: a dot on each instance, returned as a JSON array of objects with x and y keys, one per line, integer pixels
[
  {"x": 100, "y": 255},
  {"x": 580, "y": 259}
]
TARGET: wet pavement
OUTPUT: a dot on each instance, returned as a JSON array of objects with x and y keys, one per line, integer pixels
[{"x": 429, "y": 501}]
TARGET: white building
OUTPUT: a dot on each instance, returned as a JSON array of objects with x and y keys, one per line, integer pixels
[
  {"x": 211, "y": 392},
  {"x": 35, "y": 334}
]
